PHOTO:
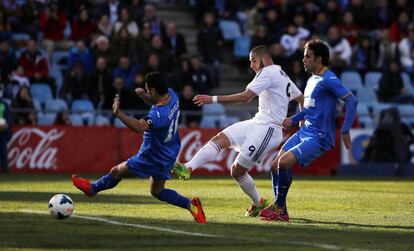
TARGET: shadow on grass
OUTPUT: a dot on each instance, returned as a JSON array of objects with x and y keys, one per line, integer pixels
[
  {"x": 44, "y": 197},
  {"x": 25, "y": 230},
  {"x": 343, "y": 224}
]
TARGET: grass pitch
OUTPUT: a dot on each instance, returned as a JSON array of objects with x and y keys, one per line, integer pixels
[{"x": 326, "y": 214}]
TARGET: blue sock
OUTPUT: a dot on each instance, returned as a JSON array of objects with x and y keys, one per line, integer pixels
[
  {"x": 275, "y": 182},
  {"x": 285, "y": 179},
  {"x": 172, "y": 197},
  {"x": 105, "y": 182}
]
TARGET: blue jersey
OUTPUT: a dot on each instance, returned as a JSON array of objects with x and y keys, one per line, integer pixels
[
  {"x": 321, "y": 94},
  {"x": 161, "y": 143}
]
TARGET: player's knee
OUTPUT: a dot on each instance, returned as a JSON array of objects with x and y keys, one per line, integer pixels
[
  {"x": 284, "y": 162},
  {"x": 237, "y": 171},
  {"x": 275, "y": 163},
  {"x": 222, "y": 140},
  {"x": 115, "y": 172},
  {"x": 155, "y": 192}
]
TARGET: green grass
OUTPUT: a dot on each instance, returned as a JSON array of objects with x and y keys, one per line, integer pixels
[{"x": 326, "y": 214}]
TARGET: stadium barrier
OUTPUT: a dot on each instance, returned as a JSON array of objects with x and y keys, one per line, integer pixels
[{"x": 64, "y": 149}]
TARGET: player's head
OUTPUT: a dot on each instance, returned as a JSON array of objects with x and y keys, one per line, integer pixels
[
  {"x": 316, "y": 56},
  {"x": 260, "y": 57},
  {"x": 156, "y": 84}
]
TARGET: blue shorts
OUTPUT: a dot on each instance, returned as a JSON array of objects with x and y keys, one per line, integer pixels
[
  {"x": 306, "y": 146},
  {"x": 143, "y": 168}
]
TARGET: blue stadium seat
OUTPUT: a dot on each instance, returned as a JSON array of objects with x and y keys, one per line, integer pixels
[
  {"x": 366, "y": 122},
  {"x": 406, "y": 111},
  {"x": 101, "y": 120},
  {"x": 228, "y": 120},
  {"x": 213, "y": 109},
  {"x": 41, "y": 92},
  {"x": 55, "y": 73},
  {"x": 118, "y": 123},
  {"x": 230, "y": 29},
  {"x": 242, "y": 47},
  {"x": 352, "y": 80},
  {"x": 46, "y": 119},
  {"x": 372, "y": 79},
  {"x": 82, "y": 106},
  {"x": 76, "y": 120},
  {"x": 407, "y": 83},
  {"x": 60, "y": 60},
  {"x": 56, "y": 105},
  {"x": 367, "y": 96},
  {"x": 210, "y": 122}
]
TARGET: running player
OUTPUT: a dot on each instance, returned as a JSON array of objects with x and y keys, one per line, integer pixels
[
  {"x": 159, "y": 149},
  {"x": 317, "y": 136},
  {"x": 255, "y": 137}
]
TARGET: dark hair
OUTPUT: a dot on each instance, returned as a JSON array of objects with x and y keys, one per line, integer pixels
[
  {"x": 261, "y": 50},
  {"x": 158, "y": 81},
  {"x": 320, "y": 49}
]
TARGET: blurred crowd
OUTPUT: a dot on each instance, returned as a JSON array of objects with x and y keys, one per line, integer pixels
[{"x": 93, "y": 49}]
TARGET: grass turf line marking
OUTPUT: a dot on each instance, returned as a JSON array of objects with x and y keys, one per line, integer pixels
[{"x": 168, "y": 230}]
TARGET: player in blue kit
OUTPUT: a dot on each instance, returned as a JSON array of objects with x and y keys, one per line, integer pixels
[
  {"x": 317, "y": 135},
  {"x": 159, "y": 149}
]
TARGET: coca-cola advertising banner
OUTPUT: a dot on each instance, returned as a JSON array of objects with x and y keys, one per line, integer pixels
[{"x": 98, "y": 149}]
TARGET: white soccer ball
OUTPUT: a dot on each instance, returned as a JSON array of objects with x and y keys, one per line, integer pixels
[{"x": 61, "y": 206}]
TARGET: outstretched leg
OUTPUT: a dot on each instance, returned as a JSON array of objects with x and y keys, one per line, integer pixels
[
  {"x": 170, "y": 196},
  {"x": 107, "y": 181}
]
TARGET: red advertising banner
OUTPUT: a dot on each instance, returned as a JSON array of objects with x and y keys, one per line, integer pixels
[{"x": 97, "y": 149}]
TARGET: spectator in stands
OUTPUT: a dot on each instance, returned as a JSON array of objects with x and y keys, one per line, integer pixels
[
  {"x": 383, "y": 13},
  {"x": 391, "y": 87},
  {"x": 187, "y": 105},
  {"x": 290, "y": 40},
  {"x": 209, "y": 45},
  {"x": 110, "y": 8},
  {"x": 127, "y": 95},
  {"x": 364, "y": 57},
  {"x": 321, "y": 24},
  {"x": 156, "y": 24},
  {"x": 62, "y": 118},
  {"x": 278, "y": 55},
  {"x": 80, "y": 54},
  {"x": 27, "y": 21},
  {"x": 125, "y": 70},
  {"x": 104, "y": 26},
  {"x": 260, "y": 36},
  {"x": 143, "y": 44},
  {"x": 297, "y": 75},
  {"x": 398, "y": 30},
  {"x": 256, "y": 16},
  {"x": 348, "y": 28},
  {"x": 174, "y": 41},
  {"x": 165, "y": 57},
  {"x": 153, "y": 64},
  {"x": 127, "y": 22},
  {"x": 75, "y": 85},
  {"x": 8, "y": 60},
  {"x": 53, "y": 23},
  {"x": 99, "y": 82},
  {"x": 406, "y": 49},
  {"x": 24, "y": 101},
  {"x": 36, "y": 66},
  {"x": 200, "y": 78},
  {"x": 309, "y": 11},
  {"x": 274, "y": 25},
  {"x": 82, "y": 27},
  {"x": 303, "y": 30},
  {"x": 122, "y": 44},
  {"x": 340, "y": 50},
  {"x": 181, "y": 75},
  {"x": 362, "y": 14},
  {"x": 387, "y": 49},
  {"x": 18, "y": 79},
  {"x": 136, "y": 9},
  {"x": 5, "y": 132},
  {"x": 101, "y": 49},
  {"x": 11, "y": 11}
]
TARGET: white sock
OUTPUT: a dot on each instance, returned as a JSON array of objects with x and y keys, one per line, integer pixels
[
  {"x": 246, "y": 183},
  {"x": 207, "y": 153}
]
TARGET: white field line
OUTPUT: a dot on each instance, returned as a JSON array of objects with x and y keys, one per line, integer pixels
[{"x": 169, "y": 230}]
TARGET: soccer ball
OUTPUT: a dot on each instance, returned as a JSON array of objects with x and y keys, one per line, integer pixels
[{"x": 61, "y": 206}]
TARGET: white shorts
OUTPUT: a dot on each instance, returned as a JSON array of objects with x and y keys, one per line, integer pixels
[{"x": 253, "y": 140}]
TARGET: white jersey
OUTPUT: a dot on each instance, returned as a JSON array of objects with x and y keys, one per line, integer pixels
[{"x": 275, "y": 90}]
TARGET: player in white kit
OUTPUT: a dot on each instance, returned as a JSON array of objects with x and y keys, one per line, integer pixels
[{"x": 255, "y": 137}]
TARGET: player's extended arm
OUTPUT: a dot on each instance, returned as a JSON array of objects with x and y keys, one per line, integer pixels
[
  {"x": 242, "y": 97},
  {"x": 351, "y": 103},
  {"x": 132, "y": 123},
  {"x": 300, "y": 99}
]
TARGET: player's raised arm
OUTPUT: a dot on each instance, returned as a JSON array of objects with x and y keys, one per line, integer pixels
[
  {"x": 242, "y": 97},
  {"x": 351, "y": 103},
  {"x": 132, "y": 123}
]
